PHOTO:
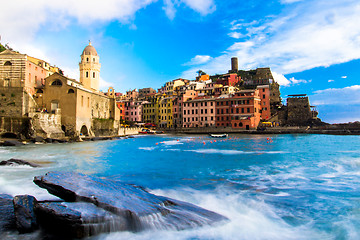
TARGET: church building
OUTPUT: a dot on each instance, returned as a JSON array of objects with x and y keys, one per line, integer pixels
[{"x": 81, "y": 104}]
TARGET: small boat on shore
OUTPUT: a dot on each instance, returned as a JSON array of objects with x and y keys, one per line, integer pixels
[
  {"x": 146, "y": 131},
  {"x": 224, "y": 135}
]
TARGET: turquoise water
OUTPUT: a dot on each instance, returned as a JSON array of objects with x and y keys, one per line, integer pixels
[{"x": 270, "y": 187}]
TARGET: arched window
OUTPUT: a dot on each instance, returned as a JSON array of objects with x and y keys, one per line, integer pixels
[
  {"x": 93, "y": 74},
  {"x": 87, "y": 74},
  {"x": 57, "y": 82},
  {"x": 7, "y": 63},
  {"x": 71, "y": 91},
  {"x": 39, "y": 91}
]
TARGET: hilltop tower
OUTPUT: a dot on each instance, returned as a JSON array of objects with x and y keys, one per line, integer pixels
[{"x": 90, "y": 68}]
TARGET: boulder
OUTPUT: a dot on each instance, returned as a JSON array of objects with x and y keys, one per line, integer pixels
[
  {"x": 11, "y": 143},
  {"x": 38, "y": 139},
  {"x": 77, "y": 219},
  {"x": 139, "y": 208},
  {"x": 24, "y": 213},
  {"x": 7, "y": 219},
  {"x": 17, "y": 162}
]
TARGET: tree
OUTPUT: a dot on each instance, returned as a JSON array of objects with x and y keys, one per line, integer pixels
[{"x": 2, "y": 48}]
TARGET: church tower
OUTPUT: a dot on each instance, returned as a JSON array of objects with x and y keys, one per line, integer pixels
[{"x": 90, "y": 68}]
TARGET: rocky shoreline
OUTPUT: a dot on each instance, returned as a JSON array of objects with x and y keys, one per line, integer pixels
[{"x": 91, "y": 205}]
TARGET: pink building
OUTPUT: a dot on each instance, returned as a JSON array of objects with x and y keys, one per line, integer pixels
[
  {"x": 178, "y": 105},
  {"x": 133, "y": 111},
  {"x": 199, "y": 112}
]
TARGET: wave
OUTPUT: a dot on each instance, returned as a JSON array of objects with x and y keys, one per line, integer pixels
[
  {"x": 232, "y": 152},
  {"x": 249, "y": 219},
  {"x": 147, "y": 148}
]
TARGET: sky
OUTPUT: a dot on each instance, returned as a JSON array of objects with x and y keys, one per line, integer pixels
[{"x": 311, "y": 46}]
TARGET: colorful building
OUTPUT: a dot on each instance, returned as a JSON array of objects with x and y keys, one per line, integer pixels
[
  {"x": 199, "y": 112},
  {"x": 239, "y": 110}
]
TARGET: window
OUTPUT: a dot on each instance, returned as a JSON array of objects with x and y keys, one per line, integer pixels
[
  {"x": 57, "y": 82},
  {"x": 87, "y": 59},
  {"x": 71, "y": 91},
  {"x": 87, "y": 74},
  {"x": 248, "y": 110},
  {"x": 263, "y": 96},
  {"x": 93, "y": 74},
  {"x": 8, "y": 63},
  {"x": 82, "y": 101}
]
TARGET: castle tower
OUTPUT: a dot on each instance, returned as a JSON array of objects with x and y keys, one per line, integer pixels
[{"x": 90, "y": 68}]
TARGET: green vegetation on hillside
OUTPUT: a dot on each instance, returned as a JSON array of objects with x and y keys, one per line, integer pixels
[{"x": 2, "y": 48}]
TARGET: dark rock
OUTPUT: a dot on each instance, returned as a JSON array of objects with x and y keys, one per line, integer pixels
[
  {"x": 139, "y": 208},
  {"x": 49, "y": 140},
  {"x": 16, "y": 162},
  {"x": 24, "y": 213},
  {"x": 38, "y": 139},
  {"x": 7, "y": 219},
  {"x": 77, "y": 219},
  {"x": 12, "y": 143}
]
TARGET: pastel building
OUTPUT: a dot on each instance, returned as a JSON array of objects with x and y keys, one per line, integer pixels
[
  {"x": 199, "y": 112},
  {"x": 178, "y": 104},
  {"x": 22, "y": 77},
  {"x": 165, "y": 112}
]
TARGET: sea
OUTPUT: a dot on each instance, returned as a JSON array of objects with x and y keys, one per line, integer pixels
[{"x": 296, "y": 186}]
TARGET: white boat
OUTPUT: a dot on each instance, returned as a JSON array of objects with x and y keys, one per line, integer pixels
[{"x": 224, "y": 135}]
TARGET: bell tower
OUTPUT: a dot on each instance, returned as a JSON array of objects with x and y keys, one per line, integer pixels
[{"x": 90, "y": 68}]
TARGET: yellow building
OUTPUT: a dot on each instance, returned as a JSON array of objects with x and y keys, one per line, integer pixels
[
  {"x": 165, "y": 112},
  {"x": 151, "y": 109}
]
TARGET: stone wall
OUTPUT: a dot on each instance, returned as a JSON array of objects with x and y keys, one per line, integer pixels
[
  {"x": 47, "y": 125},
  {"x": 17, "y": 125},
  {"x": 104, "y": 127},
  {"x": 11, "y": 102},
  {"x": 299, "y": 112}
]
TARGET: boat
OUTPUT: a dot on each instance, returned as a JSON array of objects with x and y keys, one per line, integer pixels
[
  {"x": 146, "y": 131},
  {"x": 224, "y": 135}
]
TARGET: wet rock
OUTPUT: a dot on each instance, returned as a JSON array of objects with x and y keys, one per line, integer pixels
[
  {"x": 24, "y": 213},
  {"x": 17, "y": 162},
  {"x": 139, "y": 208},
  {"x": 11, "y": 143},
  {"x": 38, "y": 139},
  {"x": 7, "y": 219},
  {"x": 77, "y": 219}
]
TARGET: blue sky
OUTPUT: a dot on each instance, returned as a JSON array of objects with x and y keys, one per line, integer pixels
[{"x": 312, "y": 47}]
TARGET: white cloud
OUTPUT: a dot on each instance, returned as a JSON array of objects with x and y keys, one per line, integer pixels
[
  {"x": 344, "y": 77},
  {"x": 281, "y": 79},
  {"x": 204, "y": 7},
  {"x": 309, "y": 34},
  {"x": 23, "y": 19},
  {"x": 297, "y": 81},
  {"x": 236, "y": 35},
  {"x": 337, "y": 96},
  {"x": 169, "y": 9},
  {"x": 198, "y": 59},
  {"x": 330, "y": 80}
]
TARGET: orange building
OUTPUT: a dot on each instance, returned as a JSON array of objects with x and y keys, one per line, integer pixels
[{"x": 239, "y": 110}]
